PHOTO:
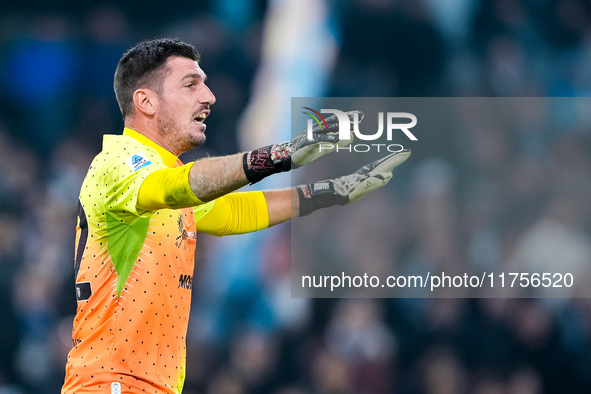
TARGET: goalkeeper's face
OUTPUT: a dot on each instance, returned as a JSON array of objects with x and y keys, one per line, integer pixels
[{"x": 183, "y": 105}]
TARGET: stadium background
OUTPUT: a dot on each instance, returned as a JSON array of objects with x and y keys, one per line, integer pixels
[{"x": 246, "y": 334}]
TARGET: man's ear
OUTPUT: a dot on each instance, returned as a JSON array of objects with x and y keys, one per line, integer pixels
[{"x": 145, "y": 101}]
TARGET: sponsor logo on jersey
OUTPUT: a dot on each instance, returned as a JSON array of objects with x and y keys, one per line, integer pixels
[
  {"x": 138, "y": 161},
  {"x": 186, "y": 282}
]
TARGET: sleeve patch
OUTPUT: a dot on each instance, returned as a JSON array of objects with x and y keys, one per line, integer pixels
[{"x": 138, "y": 160}]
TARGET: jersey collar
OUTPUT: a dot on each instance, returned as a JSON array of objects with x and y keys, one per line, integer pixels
[{"x": 169, "y": 158}]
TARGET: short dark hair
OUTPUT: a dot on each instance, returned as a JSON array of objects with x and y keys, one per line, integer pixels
[{"x": 144, "y": 66}]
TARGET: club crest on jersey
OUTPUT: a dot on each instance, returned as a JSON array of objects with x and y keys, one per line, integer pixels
[
  {"x": 138, "y": 161},
  {"x": 115, "y": 388}
]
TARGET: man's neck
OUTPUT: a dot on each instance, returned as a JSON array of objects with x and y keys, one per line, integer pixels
[{"x": 147, "y": 129}]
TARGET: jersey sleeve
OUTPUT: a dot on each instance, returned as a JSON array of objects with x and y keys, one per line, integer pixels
[
  {"x": 123, "y": 179},
  {"x": 234, "y": 213},
  {"x": 167, "y": 188}
]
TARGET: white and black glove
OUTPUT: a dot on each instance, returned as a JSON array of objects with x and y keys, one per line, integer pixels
[
  {"x": 349, "y": 188},
  {"x": 288, "y": 155}
]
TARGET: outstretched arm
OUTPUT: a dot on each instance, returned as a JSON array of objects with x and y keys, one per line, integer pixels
[
  {"x": 213, "y": 177},
  {"x": 282, "y": 205},
  {"x": 239, "y": 213},
  {"x": 302, "y": 200}
]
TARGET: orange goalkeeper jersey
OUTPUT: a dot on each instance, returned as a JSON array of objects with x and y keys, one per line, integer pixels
[{"x": 134, "y": 273}]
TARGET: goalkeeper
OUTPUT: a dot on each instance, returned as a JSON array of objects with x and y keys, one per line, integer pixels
[{"x": 140, "y": 209}]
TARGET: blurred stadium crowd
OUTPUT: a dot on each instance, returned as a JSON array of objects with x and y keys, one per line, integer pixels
[{"x": 484, "y": 198}]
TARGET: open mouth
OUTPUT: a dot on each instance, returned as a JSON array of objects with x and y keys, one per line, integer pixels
[{"x": 200, "y": 118}]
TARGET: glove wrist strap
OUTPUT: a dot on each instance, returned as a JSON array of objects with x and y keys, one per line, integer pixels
[
  {"x": 265, "y": 161},
  {"x": 319, "y": 195}
]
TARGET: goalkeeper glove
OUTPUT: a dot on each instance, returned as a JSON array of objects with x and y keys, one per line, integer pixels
[
  {"x": 272, "y": 159},
  {"x": 349, "y": 188}
]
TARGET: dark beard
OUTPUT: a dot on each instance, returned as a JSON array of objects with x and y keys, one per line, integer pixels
[{"x": 168, "y": 132}]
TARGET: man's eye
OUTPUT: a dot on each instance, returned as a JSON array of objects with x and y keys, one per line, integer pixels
[{"x": 189, "y": 85}]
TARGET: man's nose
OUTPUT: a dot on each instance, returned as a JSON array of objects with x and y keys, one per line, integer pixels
[{"x": 208, "y": 96}]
